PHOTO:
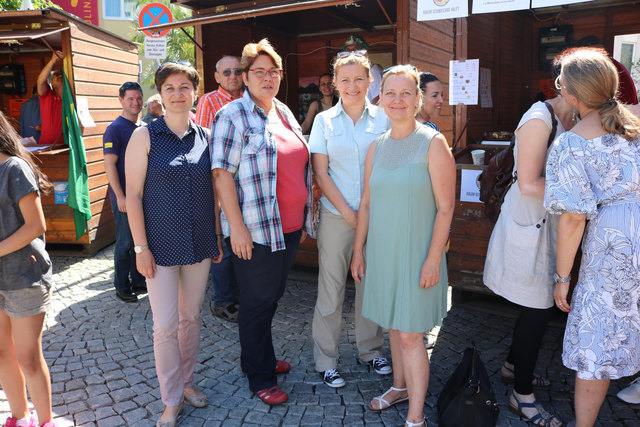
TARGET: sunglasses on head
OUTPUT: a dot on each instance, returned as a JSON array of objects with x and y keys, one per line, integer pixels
[
  {"x": 347, "y": 53},
  {"x": 186, "y": 63},
  {"x": 130, "y": 85},
  {"x": 393, "y": 67},
  {"x": 227, "y": 71}
]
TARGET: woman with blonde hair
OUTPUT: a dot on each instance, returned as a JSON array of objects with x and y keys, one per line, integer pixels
[
  {"x": 593, "y": 173},
  {"x": 262, "y": 176},
  {"x": 410, "y": 166},
  {"x": 339, "y": 142}
]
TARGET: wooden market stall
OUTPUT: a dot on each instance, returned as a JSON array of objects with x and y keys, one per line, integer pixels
[
  {"x": 97, "y": 63},
  {"x": 514, "y": 46}
]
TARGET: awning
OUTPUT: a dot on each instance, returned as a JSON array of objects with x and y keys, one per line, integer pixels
[
  {"x": 17, "y": 36},
  {"x": 250, "y": 12}
]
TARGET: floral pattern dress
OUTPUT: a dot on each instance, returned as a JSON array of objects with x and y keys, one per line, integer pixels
[{"x": 600, "y": 177}]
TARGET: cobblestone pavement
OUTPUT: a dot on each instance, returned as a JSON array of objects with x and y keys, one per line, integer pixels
[{"x": 100, "y": 352}]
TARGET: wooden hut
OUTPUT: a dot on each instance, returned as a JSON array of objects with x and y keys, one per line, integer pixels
[
  {"x": 307, "y": 33},
  {"x": 97, "y": 63}
]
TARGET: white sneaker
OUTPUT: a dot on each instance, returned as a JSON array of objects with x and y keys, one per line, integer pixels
[{"x": 631, "y": 394}]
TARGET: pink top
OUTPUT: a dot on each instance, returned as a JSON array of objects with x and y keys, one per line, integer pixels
[{"x": 291, "y": 190}]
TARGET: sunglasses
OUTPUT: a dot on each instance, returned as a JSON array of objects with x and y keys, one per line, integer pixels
[
  {"x": 130, "y": 85},
  {"x": 393, "y": 67},
  {"x": 185, "y": 63},
  {"x": 347, "y": 53},
  {"x": 227, "y": 71},
  {"x": 557, "y": 83},
  {"x": 261, "y": 72}
]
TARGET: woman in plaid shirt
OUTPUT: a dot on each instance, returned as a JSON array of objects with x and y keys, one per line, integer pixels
[{"x": 262, "y": 177}]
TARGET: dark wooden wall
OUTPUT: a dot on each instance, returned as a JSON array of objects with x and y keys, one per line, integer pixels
[
  {"x": 502, "y": 43},
  {"x": 430, "y": 48}
]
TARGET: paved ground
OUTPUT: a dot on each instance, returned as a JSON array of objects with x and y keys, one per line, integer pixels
[{"x": 100, "y": 352}]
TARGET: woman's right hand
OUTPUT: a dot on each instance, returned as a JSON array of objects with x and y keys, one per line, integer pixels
[
  {"x": 241, "y": 242},
  {"x": 351, "y": 217},
  {"x": 357, "y": 266},
  {"x": 146, "y": 263}
]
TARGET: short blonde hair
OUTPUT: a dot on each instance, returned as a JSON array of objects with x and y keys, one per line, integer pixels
[
  {"x": 407, "y": 70},
  {"x": 590, "y": 76},
  {"x": 251, "y": 51}
]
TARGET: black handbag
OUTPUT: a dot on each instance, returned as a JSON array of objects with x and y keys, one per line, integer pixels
[{"x": 467, "y": 399}]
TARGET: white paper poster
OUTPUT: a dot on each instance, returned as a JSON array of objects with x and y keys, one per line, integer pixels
[
  {"x": 488, "y": 6},
  {"x": 469, "y": 190},
  {"x": 83, "y": 112},
  {"x": 430, "y": 10},
  {"x": 463, "y": 82},
  {"x": 155, "y": 47},
  {"x": 549, "y": 3},
  {"x": 485, "y": 88}
]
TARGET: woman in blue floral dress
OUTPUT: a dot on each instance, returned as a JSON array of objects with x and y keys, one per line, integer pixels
[{"x": 593, "y": 172}]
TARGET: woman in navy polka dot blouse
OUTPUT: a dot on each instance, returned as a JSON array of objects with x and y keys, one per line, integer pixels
[{"x": 171, "y": 209}]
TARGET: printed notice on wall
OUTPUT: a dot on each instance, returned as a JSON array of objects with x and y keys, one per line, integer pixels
[
  {"x": 61, "y": 192},
  {"x": 463, "y": 82},
  {"x": 84, "y": 114},
  {"x": 430, "y": 10},
  {"x": 485, "y": 88},
  {"x": 549, "y": 3},
  {"x": 487, "y": 6},
  {"x": 469, "y": 190}
]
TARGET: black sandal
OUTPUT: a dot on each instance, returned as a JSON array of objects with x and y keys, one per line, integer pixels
[{"x": 536, "y": 381}]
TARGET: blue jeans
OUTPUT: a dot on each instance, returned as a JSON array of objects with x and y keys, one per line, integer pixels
[
  {"x": 124, "y": 258},
  {"x": 225, "y": 286}
]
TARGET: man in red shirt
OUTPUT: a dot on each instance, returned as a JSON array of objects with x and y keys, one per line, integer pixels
[
  {"x": 229, "y": 76},
  {"x": 51, "y": 101}
]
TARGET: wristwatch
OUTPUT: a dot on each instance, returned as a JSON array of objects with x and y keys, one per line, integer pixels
[
  {"x": 138, "y": 249},
  {"x": 560, "y": 279}
]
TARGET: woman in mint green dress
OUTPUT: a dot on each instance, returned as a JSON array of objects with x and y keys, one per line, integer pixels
[{"x": 404, "y": 218}]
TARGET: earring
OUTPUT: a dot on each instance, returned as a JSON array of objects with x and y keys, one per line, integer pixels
[{"x": 573, "y": 115}]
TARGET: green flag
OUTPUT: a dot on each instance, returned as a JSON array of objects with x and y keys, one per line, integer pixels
[{"x": 78, "y": 198}]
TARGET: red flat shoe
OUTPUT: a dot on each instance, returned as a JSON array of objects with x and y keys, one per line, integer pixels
[
  {"x": 273, "y": 395},
  {"x": 282, "y": 367}
]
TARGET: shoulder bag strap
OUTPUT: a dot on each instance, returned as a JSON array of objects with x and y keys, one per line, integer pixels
[{"x": 554, "y": 124}]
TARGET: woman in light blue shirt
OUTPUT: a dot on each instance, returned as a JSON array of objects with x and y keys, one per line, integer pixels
[{"x": 339, "y": 141}]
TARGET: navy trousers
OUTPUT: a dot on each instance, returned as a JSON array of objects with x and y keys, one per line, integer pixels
[{"x": 261, "y": 284}]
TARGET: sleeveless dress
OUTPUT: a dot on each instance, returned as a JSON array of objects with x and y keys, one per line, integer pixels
[
  {"x": 402, "y": 214},
  {"x": 521, "y": 256}
]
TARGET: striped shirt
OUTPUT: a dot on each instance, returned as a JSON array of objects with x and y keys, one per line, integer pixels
[
  {"x": 210, "y": 104},
  {"x": 242, "y": 145}
]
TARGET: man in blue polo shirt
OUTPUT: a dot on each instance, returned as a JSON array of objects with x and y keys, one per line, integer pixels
[{"x": 126, "y": 278}]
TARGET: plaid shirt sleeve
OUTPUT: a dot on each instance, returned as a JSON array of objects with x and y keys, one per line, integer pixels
[
  {"x": 225, "y": 144},
  {"x": 205, "y": 112}
]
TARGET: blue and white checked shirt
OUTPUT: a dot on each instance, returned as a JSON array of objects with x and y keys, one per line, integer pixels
[{"x": 242, "y": 145}]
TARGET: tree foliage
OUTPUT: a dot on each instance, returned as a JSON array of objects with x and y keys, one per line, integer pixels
[
  {"x": 179, "y": 45},
  {"x": 16, "y": 4}
]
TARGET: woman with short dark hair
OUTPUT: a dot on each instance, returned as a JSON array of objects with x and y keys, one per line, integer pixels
[{"x": 171, "y": 210}]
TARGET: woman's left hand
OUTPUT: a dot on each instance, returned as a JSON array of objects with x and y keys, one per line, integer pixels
[
  {"x": 218, "y": 259},
  {"x": 560, "y": 296},
  {"x": 303, "y": 236},
  {"x": 429, "y": 274}
]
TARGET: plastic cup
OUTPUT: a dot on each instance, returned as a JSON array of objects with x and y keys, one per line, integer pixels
[{"x": 478, "y": 157}]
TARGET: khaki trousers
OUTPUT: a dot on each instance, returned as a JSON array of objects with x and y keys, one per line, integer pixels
[
  {"x": 175, "y": 296},
  {"x": 335, "y": 248}
]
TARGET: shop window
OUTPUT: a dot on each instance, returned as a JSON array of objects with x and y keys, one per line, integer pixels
[
  {"x": 118, "y": 9},
  {"x": 626, "y": 54}
]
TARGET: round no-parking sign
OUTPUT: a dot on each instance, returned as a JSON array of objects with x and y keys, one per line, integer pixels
[{"x": 155, "y": 14}]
